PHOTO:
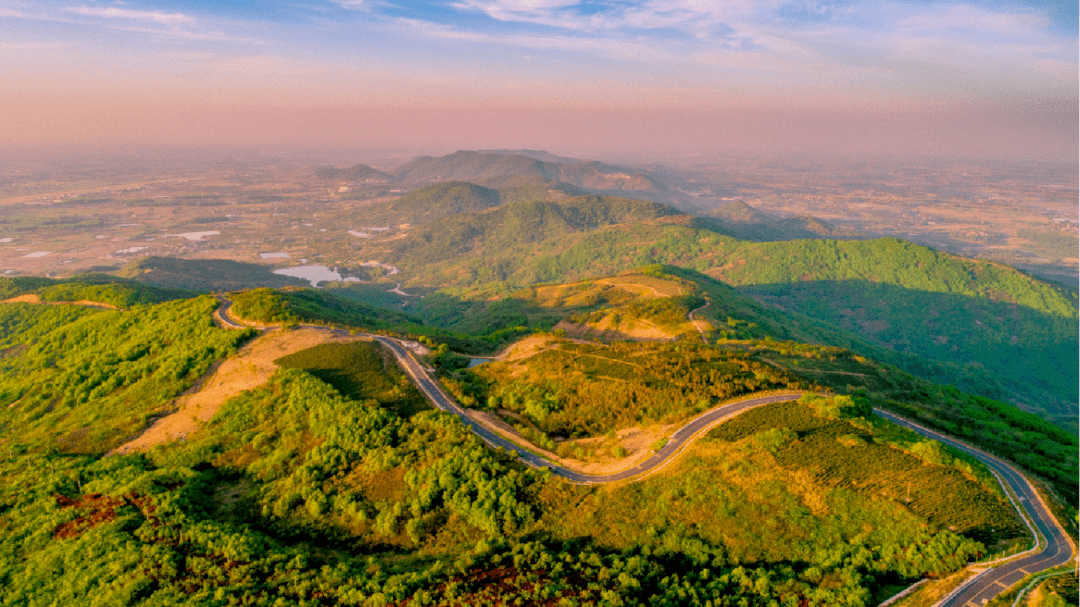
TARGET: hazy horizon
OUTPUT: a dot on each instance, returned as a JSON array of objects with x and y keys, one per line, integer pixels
[{"x": 932, "y": 79}]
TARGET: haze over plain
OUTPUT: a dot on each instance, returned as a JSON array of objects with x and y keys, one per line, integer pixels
[{"x": 850, "y": 77}]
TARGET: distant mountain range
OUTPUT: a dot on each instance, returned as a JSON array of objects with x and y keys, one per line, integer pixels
[
  {"x": 474, "y": 181},
  {"x": 479, "y": 167},
  {"x": 738, "y": 219},
  {"x": 355, "y": 174}
]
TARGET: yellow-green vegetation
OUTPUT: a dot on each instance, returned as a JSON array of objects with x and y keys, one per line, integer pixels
[
  {"x": 882, "y": 460},
  {"x": 361, "y": 370},
  {"x": 312, "y": 305},
  {"x": 298, "y": 493},
  {"x": 99, "y": 288},
  {"x": 577, "y": 390},
  {"x": 773, "y": 485},
  {"x": 264, "y": 306},
  {"x": 432, "y": 203},
  {"x": 1037, "y": 445},
  {"x": 85, "y": 381}
]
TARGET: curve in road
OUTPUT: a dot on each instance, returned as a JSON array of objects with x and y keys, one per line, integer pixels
[
  {"x": 678, "y": 441},
  {"x": 1058, "y": 548}
]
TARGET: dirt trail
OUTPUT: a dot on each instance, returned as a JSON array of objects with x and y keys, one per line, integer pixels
[
  {"x": 697, "y": 323},
  {"x": 250, "y": 368}
]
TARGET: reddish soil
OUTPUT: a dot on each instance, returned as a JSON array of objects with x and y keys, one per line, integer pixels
[{"x": 102, "y": 509}]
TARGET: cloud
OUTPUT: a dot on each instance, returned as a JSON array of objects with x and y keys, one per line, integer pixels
[
  {"x": 354, "y": 5},
  {"x": 124, "y": 13},
  {"x": 613, "y": 47},
  {"x": 29, "y": 45}
]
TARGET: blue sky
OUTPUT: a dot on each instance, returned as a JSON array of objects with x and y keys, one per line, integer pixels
[{"x": 615, "y": 56}]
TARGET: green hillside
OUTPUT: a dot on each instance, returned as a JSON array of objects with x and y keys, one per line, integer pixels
[
  {"x": 479, "y": 167},
  {"x": 312, "y": 305},
  {"x": 740, "y": 220},
  {"x": 513, "y": 229},
  {"x": 517, "y": 188},
  {"x": 356, "y": 173},
  {"x": 1015, "y": 331},
  {"x": 334, "y": 484},
  {"x": 205, "y": 274},
  {"x": 94, "y": 379},
  {"x": 431, "y": 203},
  {"x": 100, "y": 288}
]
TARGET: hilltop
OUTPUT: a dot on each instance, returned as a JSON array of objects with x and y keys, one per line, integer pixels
[
  {"x": 432, "y": 203},
  {"x": 479, "y": 166},
  {"x": 361, "y": 173},
  {"x": 205, "y": 274}
]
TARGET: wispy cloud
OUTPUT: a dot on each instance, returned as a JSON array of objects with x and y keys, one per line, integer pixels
[
  {"x": 607, "y": 46},
  {"x": 29, "y": 45},
  {"x": 124, "y": 13}
]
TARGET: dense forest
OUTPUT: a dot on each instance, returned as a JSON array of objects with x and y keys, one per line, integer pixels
[{"x": 334, "y": 484}]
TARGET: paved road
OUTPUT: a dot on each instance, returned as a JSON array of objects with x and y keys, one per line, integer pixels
[
  {"x": 678, "y": 441},
  {"x": 1054, "y": 551},
  {"x": 222, "y": 314}
]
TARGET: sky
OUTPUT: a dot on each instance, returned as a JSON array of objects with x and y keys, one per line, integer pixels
[{"x": 995, "y": 78}]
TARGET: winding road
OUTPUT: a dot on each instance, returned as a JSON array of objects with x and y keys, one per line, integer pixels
[
  {"x": 1053, "y": 546},
  {"x": 678, "y": 441}
]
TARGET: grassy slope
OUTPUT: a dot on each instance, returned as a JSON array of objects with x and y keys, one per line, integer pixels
[
  {"x": 101, "y": 288},
  {"x": 84, "y": 382}
]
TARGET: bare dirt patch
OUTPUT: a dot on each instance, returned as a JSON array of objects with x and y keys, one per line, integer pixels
[
  {"x": 637, "y": 442},
  {"x": 525, "y": 348},
  {"x": 32, "y": 298},
  {"x": 27, "y": 298},
  {"x": 250, "y": 368}
]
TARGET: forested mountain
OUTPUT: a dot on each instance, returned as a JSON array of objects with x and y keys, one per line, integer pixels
[
  {"x": 1013, "y": 336},
  {"x": 432, "y": 203},
  {"x": 359, "y": 173},
  {"x": 530, "y": 176},
  {"x": 504, "y": 230},
  {"x": 478, "y": 167},
  {"x": 738, "y": 219},
  {"x": 522, "y": 188},
  {"x": 205, "y": 274}
]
